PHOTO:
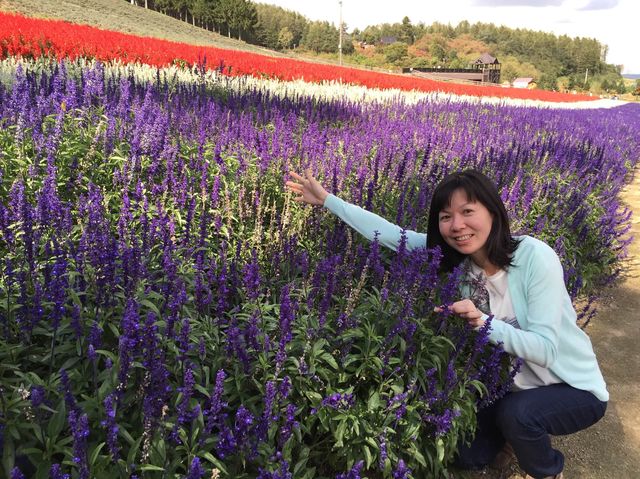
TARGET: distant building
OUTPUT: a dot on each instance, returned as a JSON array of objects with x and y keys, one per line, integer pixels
[
  {"x": 388, "y": 40},
  {"x": 524, "y": 83}
]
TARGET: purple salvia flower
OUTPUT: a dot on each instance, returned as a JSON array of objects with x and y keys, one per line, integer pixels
[
  {"x": 183, "y": 341},
  {"x": 235, "y": 346},
  {"x": 156, "y": 383},
  {"x": 111, "y": 426},
  {"x": 94, "y": 339},
  {"x": 285, "y": 387},
  {"x": 56, "y": 472},
  {"x": 399, "y": 401},
  {"x": 214, "y": 413},
  {"x": 353, "y": 473},
  {"x": 128, "y": 342},
  {"x": 251, "y": 278},
  {"x": 226, "y": 442},
  {"x": 281, "y": 473},
  {"x": 243, "y": 426},
  {"x": 37, "y": 396},
  {"x": 79, "y": 424},
  {"x": 69, "y": 400},
  {"x": 184, "y": 412},
  {"x": 441, "y": 423},
  {"x": 289, "y": 425},
  {"x": 16, "y": 473},
  {"x": 401, "y": 471},
  {"x": 339, "y": 401},
  {"x": 269, "y": 416},
  {"x": 252, "y": 332},
  {"x": 196, "y": 471},
  {"x": 76, "y": 323},
  {"x": 383, "y": 453},
  {"x": 287, "y": 317}
]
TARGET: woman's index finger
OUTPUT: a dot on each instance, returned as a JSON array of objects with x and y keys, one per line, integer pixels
[{"x": 296, "y": 176}]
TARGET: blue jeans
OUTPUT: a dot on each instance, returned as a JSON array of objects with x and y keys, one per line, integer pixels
[{"x": 525, "y": 419}]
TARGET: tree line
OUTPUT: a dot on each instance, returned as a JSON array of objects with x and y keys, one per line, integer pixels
[
  {"x": 235, "y": 18},
  {"x": 555, "y": 62}
]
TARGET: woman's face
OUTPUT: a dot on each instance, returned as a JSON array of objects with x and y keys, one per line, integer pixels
[{"x": 465, "y": 226}]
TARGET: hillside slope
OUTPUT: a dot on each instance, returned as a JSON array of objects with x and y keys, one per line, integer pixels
[{"x": 124, "y": 17}]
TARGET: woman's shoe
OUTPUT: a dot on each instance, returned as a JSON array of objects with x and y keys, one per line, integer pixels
[
  {"x": 504, "y": 458},
  {"x": 557, "y": 476}
]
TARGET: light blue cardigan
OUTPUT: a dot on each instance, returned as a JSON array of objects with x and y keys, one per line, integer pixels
[{"x": 549, "y": 336}]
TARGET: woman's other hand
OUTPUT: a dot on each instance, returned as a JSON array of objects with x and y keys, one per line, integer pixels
[
  {"x": 467, "y": 311},
  {"x": 307, "y": 189}
]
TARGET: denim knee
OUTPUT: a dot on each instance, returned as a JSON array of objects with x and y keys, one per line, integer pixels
[{"x": 514, "y": 418}]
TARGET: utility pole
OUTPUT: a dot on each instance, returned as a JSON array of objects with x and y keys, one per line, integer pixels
[
  {"x": 340, "y": 35},
  {"x": 586, "y": 75}
]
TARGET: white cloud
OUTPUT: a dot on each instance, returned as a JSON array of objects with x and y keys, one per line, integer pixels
[
  {"x": 600, "y": 4},
  {"x": 517, "y": 3},
  {"x": 609, "y": 21}
]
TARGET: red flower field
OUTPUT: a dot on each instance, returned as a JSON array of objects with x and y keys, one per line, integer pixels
[{"x": 34, "y": 38}]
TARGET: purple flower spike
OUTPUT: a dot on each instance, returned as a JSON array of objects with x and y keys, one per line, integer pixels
[
  {"x": 196, "y": 471},
  {"x": 354, "y": 473},
  {"x": 16, "y": 473}
]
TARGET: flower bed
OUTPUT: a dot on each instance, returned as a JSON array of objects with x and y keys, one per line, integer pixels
[
  {"x": 33, "y": 38},
  {"x": 167, "y": 310}
]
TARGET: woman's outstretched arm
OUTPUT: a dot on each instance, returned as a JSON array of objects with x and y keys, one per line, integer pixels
[{"x": 368, "y": 224}]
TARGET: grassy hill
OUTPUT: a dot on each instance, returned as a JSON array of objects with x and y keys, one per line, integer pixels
[{"x": 124, "y": 17}]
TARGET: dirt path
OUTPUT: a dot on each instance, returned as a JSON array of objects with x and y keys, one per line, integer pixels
[{"x": 611, "y": 448}]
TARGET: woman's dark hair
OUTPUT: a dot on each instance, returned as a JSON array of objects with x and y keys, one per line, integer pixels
[{"x": 500, "y": 244}]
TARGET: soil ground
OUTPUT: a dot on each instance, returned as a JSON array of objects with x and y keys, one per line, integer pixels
[{"x": 611, "y": 448}]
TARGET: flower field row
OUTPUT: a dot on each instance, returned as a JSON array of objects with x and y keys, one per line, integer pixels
[
  {"x": 33, "y": 38},
  {"x": 166, "y": 310}
]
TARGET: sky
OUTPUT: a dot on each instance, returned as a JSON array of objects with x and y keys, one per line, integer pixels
[{"x": 611, "y": 22}]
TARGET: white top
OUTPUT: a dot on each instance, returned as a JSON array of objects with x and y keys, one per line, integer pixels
[{"x": 530, "y": 375}]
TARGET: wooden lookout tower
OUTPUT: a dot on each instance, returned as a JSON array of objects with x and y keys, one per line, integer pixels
[{"x": 490, "y": 67}]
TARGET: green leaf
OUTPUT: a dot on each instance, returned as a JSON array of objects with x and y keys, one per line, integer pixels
[
  {"x": 8, "y": 456},
  {"x": 151, "y": 306},
  {"x": 95, "y": 453},
  {"x": 125, "y": 434},
  {"x": 160, "y": 450},
  {"x": 310, "y": 474},
  {"x": 368, "y": 457},
  {"x": 374, "y": 401},
  {"x": 331, "y": 360},
  {"x": 209, "y": 457},
  {"x": 151, "y": 467},
  {"x": 440, "y": 449},
  {"x": 318, "y": 346},
  {"x": 300, "y": 466},
  {"x": 339, "y": 434},
  {"x": 57, "y": 422},
  {"x": 131, "y": 457}
]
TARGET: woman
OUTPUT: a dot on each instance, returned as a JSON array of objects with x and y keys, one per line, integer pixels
[{"x": 559, "y": 389}]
